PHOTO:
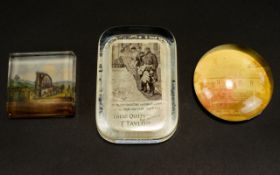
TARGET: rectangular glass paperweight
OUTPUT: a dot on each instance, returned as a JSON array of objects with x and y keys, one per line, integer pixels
[
  {"x": 41, "y": 84},
  {"x": 136, "y": 99}
]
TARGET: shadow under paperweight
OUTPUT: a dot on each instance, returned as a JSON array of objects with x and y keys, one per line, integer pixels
[
  {"x": 41, "y": 84},
  {"x": 136, "y": 95}
]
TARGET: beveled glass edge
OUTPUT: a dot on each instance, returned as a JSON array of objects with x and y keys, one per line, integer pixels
[
  {"x": 139, "y": 141},
  {"x": 134, "y": 30},
  {"x": 41, "y": 53}
]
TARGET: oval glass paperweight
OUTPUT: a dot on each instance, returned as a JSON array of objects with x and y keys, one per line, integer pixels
[
  {"x": 136, "y": 93},
  {"x": 233, "y": 83}
]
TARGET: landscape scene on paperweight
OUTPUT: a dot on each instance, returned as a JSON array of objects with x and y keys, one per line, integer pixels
[
  {"x": 136, "y": 71},
  {"x": 41, "y": 88}
]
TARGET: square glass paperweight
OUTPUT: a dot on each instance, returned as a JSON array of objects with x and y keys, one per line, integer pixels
[
  {"x": 41, "y": 84},
  {"x": 136, "y": 101}
]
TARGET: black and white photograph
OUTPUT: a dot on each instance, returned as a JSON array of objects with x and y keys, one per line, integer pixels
[{"x": 136, "y": 72}]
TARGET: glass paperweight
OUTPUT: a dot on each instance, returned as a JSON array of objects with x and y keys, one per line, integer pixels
[
  {"x": 41, "y": 84},
  {"x": 136, "y": 99},
  {"x": 233, "y": 83}
]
